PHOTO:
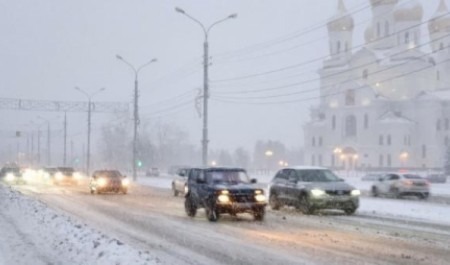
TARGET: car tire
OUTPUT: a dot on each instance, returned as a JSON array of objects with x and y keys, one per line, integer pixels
[
  {"x": 396, "y": 193},
  {"x": 175, "y": 192},
  {"x": 350, "y": 211},
  {"x": 423, "y": 196},
  {"x": 212, "y": 214},
  {"x": 304, "y": 205},
  {"x": 375, "y": 192},
  {"x": 190, "y": 207},
  {"x": 259, "y": 214},
  {"x": 274, "y": 202}
]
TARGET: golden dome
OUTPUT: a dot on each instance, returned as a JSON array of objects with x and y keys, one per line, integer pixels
[
  {"x": 441, "y": 20},
  {"x": 342, "y": 21},
  {"x": 408, "y": 11},
  {"x": 383, "y": 2}
]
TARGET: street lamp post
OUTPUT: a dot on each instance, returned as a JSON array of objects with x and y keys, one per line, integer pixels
[
  {"x": 136, "y": 106},
  {"x": 89, "y": 97},
  {"x": 49, "y": 159},
  {"x": 205, "y": 80}
]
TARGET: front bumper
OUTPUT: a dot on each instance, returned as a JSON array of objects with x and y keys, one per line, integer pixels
[
  {"x": 334, "y": 202},
  {"x": 239, "y": 207}
]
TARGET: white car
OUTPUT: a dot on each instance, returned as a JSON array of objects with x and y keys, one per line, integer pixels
[
  {"x": 179, "y": 183},
  {"x": 401, "y": 184}
]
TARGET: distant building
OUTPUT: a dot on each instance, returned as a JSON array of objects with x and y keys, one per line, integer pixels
[{"x": 387, "y": 105}]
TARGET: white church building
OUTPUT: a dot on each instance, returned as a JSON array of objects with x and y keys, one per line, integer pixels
[{"x": 384, "y": 105}]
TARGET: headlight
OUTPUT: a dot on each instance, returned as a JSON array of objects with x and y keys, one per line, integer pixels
[
  {"x": 260, "y": 198},
  {"x": 46, "y": 175},
  {"x": 29, "y": 174},
  {"x": 224, "y": 192},
  {"x": 317, "y": 192},
  {"x": 355, "y": 192},
  {"x": 77, "y": 175},
  {"x": 125, "y": 182},
  {"x": 59, "y": 176},
  {"x": 10, "y": 177},
  {"x": 186, "y": 189},
  {"x": 101, "y": 182},
  {"x": 223, "y": 198},
  {"x": 258, "y": 192}
]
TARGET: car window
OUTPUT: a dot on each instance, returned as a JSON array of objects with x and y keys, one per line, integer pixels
[
  {"x": 316, "y": 175},
  {"x": 394, "y": 177},
  {"x": 226, "y": 177},
  {"x": 411, "y": 176}
]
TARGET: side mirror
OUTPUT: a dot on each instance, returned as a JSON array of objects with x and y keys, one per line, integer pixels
[{"x": 253, "y": 181}]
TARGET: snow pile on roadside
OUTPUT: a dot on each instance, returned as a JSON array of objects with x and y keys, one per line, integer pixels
[{"x": 55, "y": 237}]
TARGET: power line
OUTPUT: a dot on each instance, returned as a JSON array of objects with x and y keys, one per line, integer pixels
[
  {"x": 293, "y": 66},
  {"x": 330, "y": 75},
  {"x": 328, "y": 95}
]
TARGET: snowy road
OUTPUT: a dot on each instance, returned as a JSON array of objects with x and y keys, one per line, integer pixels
[{"x": 151, "y": 220}]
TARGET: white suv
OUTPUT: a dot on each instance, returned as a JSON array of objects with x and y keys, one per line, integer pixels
[{"x": 399, "y": 185}]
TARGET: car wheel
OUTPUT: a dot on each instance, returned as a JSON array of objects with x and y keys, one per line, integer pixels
[
  {"x": 190, "y": 207},
  {"x": 92, "y": 191},
  {"x": 396, "y": 193},
  {"x": 423, "y": 196},
  {"x": 304, "y": 205},
  {"x": 175, "y": 192},
  {"x": 274, "y": 202},
  {"x": 375, "y": 192},
  {"x": 259, "y": 214},
  {"x": 212, "y": 214},
  {"x": 350, "y": 211}
]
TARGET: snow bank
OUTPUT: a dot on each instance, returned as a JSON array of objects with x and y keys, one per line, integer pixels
[{"x": 55, "y": 237}]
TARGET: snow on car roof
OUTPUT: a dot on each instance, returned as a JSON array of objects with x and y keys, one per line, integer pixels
[{"x": 307, "y": 167}]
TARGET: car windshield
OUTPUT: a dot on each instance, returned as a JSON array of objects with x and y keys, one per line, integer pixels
[
  {"x": 227, "y": 176},
  {"x": 316, "y": 175},
  {"x": 113, "y": 174},
  {"x": 410, "y": 176},
  {"x": 66, "y": 170}
]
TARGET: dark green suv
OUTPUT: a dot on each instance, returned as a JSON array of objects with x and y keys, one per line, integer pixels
[
  {"x": 223, "y": 190},
  {"x": 310, "y": 189}
]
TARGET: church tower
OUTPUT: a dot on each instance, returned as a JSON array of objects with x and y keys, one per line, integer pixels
[
  {"x": 340, "y": 30},
  {"x": 379, "y": 35},
  {"x": 408, "y": 16}
]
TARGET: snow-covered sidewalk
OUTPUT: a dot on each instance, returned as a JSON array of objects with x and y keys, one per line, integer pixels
[{"x": 32, "y": 233}]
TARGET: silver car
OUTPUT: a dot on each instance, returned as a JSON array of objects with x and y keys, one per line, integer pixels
[
  {"x": 401, "y": 184},
  {"x": 179, "y": 185}
]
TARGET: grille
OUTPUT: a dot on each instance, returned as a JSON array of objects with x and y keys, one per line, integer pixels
[
  {"x": 243, "y": 197},
  {"x": 420, "y": 184},
  {"x": 338, "y": 192}
]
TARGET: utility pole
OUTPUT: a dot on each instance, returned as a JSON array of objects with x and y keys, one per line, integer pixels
[
  {"x": 39, "y": 147},
  {"x": 89, "y": 97},
  {"x": 136, "y": 109},
  {"x": 49, "y": 159},
  {"x": 205, "y": 140},
  {"x": 65, "y": 139}
]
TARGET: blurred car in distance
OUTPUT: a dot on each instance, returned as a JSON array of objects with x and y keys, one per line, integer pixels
[
  {"x": 61, "y": 176},
  {"x": 371, "y": 177},
  {"x": 179, "y": 183},
  {"x": 152, "y": 172},
  {"x": 436, "y": 178},
  {"x": 108, "y": 181},
  {"x": 310, "y": 189},
  {"x": 401, "y": 184},
  {"x": 13, "y": 175}
]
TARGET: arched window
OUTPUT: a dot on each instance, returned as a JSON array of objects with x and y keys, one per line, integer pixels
[
  {"x": 381, "y": 140},
  {"x": 380, "y": 161},
  {"x": 313, "y": 160},
  {"x": 438, "y": 125},
  {"x": 406, "y": 37},
  {"x": 388, "y": 139},
  {"x": 313, "y": 141},
  {"x": 365, "y": 74},
  {"x": 333, "y": 122},
  {"x": 366, "y": 121},
  {"x": 389, "y": 161},
  {"x": 386, "y": 28},
  {"x": 338, "y": 47},
  {"x": 350, "y": 97},
  {"x": 350, "y": 126},
  {"x": 320, "y": 160}
]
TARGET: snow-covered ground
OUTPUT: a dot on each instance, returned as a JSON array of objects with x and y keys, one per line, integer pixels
[{"x": 32, "y": 234}]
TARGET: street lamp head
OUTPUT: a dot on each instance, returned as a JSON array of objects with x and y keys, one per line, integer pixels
[
  {"x": 119, "y": 57},
  {"x": 154, "y": 60},
  {"x": 232, "y": 16},
  {"x": 179, "y": 10},
  {"x": 77, "y": 88},
  {"x": 102, "y": 89}
]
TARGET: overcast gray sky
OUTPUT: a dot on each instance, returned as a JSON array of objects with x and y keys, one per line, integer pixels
[{"x": 50, "y": 46}]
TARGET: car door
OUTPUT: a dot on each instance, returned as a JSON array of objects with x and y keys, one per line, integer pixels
[{"x": 291, "y": 185}]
